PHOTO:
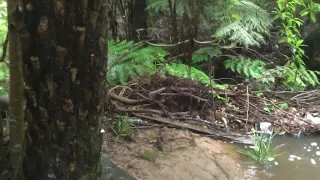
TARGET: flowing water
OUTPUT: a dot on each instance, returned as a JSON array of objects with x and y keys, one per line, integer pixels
[{"x": 300, "y": 160}]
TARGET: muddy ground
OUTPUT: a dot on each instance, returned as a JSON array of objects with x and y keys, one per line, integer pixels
[{"x": 172, "y": 154}]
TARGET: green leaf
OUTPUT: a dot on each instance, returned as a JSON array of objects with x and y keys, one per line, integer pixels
[
  {"x": 284, "y": 106},
  {"x": 313, "y": 17}
]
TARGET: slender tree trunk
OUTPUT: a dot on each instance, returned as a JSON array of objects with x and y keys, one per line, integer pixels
[
  {"x": 138, "y": 20},
  {"x": 64, "y": 59},
  {"x": 16, "y": 103}
]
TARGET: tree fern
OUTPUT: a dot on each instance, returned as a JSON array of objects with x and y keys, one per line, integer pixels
[
  {"x": 250, "y": 69},
  {"x": 203, "y": 54},
  {"x": 184, "y": 71},
  {"x": 292, "y": 78},
  {"x": 127, "y": 59},
  {"x": 240, "y": 21}
]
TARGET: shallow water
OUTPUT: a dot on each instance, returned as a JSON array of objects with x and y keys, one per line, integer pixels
[{"x": 303, "y": 164}]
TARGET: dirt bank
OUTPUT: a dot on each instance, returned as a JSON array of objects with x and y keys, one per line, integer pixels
[{"x": 169, "y": 154}]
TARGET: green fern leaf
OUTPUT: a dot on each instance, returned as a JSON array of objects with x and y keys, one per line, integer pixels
[
  {"x": 129, "y": 59},
  {"x": 246, "y": 71},
  {"x": 240, "y": 66}
]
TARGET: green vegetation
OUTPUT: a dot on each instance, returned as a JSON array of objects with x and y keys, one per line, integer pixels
[
  {"x": 128, "y": 60},
  {"x": 123, "y": 126},
  {"x": 262, "y": 151},
  {"x": 148, "y": 155},
  {"x": 4, "y": 70},
  {"x": 237, "y": 21},
  {"x": 211, "y": 42}
]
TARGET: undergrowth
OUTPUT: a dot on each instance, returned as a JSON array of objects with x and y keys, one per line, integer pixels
[
  {"x": 128, "y": 60},
  {"x": 290, "y": 77},
  {"x": 242, "y": 22},
  {"x": 262, "y": 151},
  {"x": 122, "y": 126}
]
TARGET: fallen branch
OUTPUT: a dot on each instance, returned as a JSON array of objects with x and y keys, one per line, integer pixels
[
  {"x": 153, "y": 93},
  {"x": 239, "y": 139},
  {"x": 153, "y": 111},
  {"x": 127, "y": 100}
]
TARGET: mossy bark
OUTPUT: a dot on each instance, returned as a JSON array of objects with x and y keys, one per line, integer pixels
[{"x": 64, "y": 59}]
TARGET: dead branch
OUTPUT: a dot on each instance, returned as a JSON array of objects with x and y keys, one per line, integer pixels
[
  {"x": 215, "y": 133},
  {"x": 119, "y": 108},
  {"x": 127, "y": 100},
  {"x": 153, "y": 93}
]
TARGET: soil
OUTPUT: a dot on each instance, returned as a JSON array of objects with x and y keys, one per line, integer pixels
[{"x": 171, "y": 154}]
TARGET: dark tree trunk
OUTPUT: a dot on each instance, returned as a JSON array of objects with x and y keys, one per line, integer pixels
[
  {"x": 64, "y": 59},
  {"x": 138, "y": 20}
]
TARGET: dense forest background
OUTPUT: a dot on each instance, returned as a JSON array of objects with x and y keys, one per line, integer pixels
[
  {"x": 268, "y": 42},
  {"x": 177, "y": 55}
]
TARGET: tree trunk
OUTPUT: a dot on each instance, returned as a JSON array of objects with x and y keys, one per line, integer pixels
[
  {"x": 16, "y": 103},
  {"x": 64, "y": 59},
  {"x": 138, "y": 20}
]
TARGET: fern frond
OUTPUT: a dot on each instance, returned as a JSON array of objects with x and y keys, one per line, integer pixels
[
  {"x": 247, "y": 26},
  {"x": 246, "y": 67},
  {"x": 127, "y": 59},
  {"x": 203, "y": 54},
  {"x": 240, "y": 21},
  {"x": 182, "y": 70}
]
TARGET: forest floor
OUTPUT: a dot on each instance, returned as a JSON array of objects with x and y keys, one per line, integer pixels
[
  {"x": 171, "y": 154},
  {"x": 182, "y": 130}
]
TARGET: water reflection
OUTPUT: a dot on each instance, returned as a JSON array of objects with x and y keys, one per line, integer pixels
[{"x": 300, "y": 160}]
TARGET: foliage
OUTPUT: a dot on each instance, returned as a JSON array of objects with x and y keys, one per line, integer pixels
[
  {"x": 4, "y": 69},
  {"x": 241, "y": 21},
  {"x": 3, "y": 23},
  {"x": 292, "y": 78},
  {"x": 182, "y": 70},
  {"x": 297, "y": 78},
  {"x": 203, "y": 54},
  {"x": 262, "y": 151},
  {"x": 128, "y": 60},
  {"x": 4, "y": 79},
  {"x": 249, "y": 68},
  {"x": 123, "y": 126},
  {"x": 294, "y": 71}
]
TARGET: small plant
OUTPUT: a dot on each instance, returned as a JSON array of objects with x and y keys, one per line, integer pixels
[
  {"x": 123, "y": 126},
  {"x": 262, "y": 151},
  {"x": 148, "y": 155}
]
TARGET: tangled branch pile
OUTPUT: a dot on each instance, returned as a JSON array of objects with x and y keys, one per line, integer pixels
[{"x": 192, "y": 105}]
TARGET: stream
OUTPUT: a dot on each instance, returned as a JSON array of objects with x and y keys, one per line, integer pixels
[{"x": 300, "y": 160}]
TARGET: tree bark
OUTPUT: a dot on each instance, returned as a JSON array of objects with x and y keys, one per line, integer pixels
[
  {"x": 64, "y": 59},
  {"x": 16, "y": 96},
  {"x": 138, "y": 20}
]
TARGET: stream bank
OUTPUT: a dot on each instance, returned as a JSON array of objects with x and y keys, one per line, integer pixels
[{"x": 172, "y": 154}]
